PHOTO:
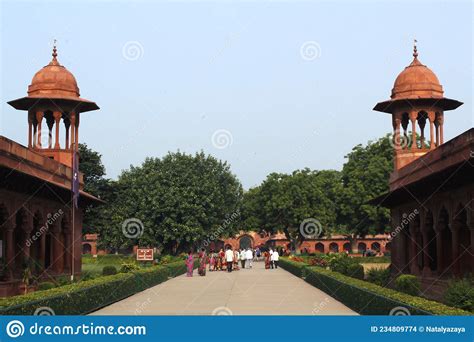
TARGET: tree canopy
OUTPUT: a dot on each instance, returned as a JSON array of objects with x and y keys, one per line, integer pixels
[
  {"x": 365, "y": 175},
  {"x": 90, "y": 164},
  {"x": 181, "y": 200},
  {"x": 301, "y": 205},
  {"x": 178, "y": 201}
]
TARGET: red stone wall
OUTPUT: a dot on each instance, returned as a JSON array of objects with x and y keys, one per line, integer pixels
[{"x": 335, "y": 244}]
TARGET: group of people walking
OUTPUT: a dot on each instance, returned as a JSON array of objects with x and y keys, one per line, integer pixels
[{"x": 231, "y": 260}]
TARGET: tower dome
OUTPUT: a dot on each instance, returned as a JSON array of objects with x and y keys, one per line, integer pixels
[
  {"x": 417, "y": 106},
  {"x": 54, "y": 81},
  {"x": 53, "y": 105},
  {"x": 417, "y": 81}
]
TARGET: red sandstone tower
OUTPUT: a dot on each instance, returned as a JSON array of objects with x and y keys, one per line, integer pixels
[
  {"x": 417, "y": 101},
  {"x": 53, "y": 95}
]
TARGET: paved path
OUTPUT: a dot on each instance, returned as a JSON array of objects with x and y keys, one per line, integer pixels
[{"x": 245, "y": 292}]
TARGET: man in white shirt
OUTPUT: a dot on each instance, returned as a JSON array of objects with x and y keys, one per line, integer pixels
[
  {"x": 274, "y": 259},
  {"x": 248, "y": 258},
  {"x": 242, "y": 257},
  {"x": 229, "y": 258}
]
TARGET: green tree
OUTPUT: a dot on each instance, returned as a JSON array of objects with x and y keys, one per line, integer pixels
[
  {"x": 301, "y": 205},
  {"x": 90, "y": 164},
  {"x": 365, "y": 175},
  {"x": 180, "y": 200}
]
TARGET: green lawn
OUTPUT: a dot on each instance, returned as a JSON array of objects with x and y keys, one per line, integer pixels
[{"x": 93, "y": 266}]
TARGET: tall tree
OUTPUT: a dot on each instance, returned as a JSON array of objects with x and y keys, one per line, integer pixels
[
  {"x": 365, "y": 176},
  {"x": 95, "y": 183},
  {"x": 179, "y": 201},
  {"x": 301, "y": 205}
]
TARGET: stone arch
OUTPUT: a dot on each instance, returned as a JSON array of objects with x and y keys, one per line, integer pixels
[
  {"x": 416, "y": 254},
  {"x": 444, "y": 238},
  {"x": 361, "y": 247},
  {"x": 347, "y": 247},
  {"x": 3, "y": 227},
  {"x": 319, "y": 247},
  {"x": 437, "y": 124},
  {"x": 430, "y": 244},
  {"x": 65, "y": 238},
  {"x": 463, "y": 264},
  {"x": 20, "y": 238},
  {"x": 86, "y": 248},
  {"x": 405, "y": 119},
  {"x": 421, "y": 119},
  {"x": 333, "y": 247},
  {"x": 404, "y": 245},
  {"x": 375, "y": 246},
  {"x": 39, "y": 226},
  {"x": 246, "y": 241}
]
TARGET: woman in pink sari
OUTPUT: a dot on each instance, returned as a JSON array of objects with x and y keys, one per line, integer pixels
[{"x": 190, "y": 264}]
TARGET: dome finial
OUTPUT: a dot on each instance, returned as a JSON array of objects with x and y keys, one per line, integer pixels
[
  {"x": 55, "y": 53},
  {"x": 415, "y": 50}
]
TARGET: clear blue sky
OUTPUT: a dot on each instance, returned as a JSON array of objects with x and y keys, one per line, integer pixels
[{"x": 205, "y": 66}]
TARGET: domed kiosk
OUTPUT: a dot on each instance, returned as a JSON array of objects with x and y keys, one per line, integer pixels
[
  {"x": 417, "y": 98},
  {"x": 53, "y": 95}
]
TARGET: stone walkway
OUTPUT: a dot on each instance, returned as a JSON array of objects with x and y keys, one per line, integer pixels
[{"x": 245, "y": 292}]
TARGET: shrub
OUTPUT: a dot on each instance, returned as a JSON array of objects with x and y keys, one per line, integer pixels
[
  {"x": 109, "y": 270},
  {"x": 87, "y": 276},
  {"x": 379, "y": 276},
  {"x": 87, "y": 296},
  {"x": 129, "y": 267},
  {"x": 460, "y": 294},
  {"x": 294, "y": 267},
  {"x": 355, "y": 271},
  {"x": 408, "y": 284},
  {"x": 367, "y": 298},
  {"x": 46, "y": 285},
  {"x": 340, "y": 262},
  {"x": 63, "y": 280}
]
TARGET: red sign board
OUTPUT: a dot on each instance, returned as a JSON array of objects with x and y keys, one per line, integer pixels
[{"x": 145, "y": 254}]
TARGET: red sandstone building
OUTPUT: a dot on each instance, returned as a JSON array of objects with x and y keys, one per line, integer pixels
[
  {"x": 432, "y": 186},
  {"x": 38, "y": 234},
  {"x": 334, "y": 244}
]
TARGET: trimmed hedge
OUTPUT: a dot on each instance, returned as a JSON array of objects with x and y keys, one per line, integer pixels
[
  {"x": 373, "y": 259},
  {"x": 109, "y": 270},
  {"x": 87, "y": 296},
  {"x": 296, "y": 268},
  {"x": 408, "y": 283},
  {"x": 364, "y": 297}
]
